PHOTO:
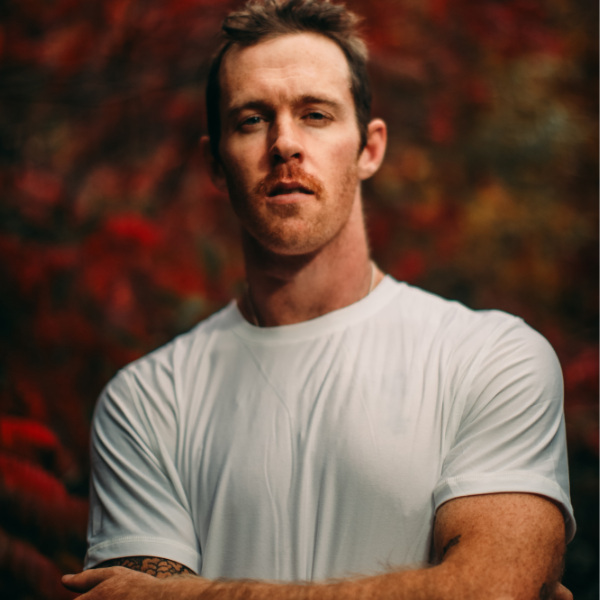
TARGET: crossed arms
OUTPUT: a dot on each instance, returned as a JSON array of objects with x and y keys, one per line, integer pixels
[{"x": 494, "y": 546}]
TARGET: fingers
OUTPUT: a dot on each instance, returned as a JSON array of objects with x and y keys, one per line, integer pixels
[{"x": 87, "y": 580}]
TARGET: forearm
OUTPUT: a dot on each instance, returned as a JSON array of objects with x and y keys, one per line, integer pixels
[
  {"x": 435, "y": 583},
  {"x": 421, "y": 584},
  {"x": 464, "y": 581}
]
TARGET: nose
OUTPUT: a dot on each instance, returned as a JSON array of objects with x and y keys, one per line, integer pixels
[{"x": 286, "y": 145}]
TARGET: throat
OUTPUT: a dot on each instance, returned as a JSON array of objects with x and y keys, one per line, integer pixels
[{"x": 291, "y": 288}]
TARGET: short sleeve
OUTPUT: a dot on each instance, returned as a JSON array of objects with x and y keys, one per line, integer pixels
[
  {"x": 511, "y": 434},
  {"x": 138, "y": 505}
]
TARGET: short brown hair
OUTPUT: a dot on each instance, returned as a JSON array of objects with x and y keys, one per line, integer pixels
[{"x": 268, "y": 19}]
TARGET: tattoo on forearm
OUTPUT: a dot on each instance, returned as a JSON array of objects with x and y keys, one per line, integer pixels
[
  {"x": 449, "y": 545},
  {"x": 152, "y": 565}
]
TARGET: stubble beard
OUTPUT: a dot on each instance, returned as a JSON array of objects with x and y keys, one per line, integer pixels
[{"x": 298, "y": 227}]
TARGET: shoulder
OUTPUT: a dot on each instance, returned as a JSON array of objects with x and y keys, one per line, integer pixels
[
  {"x": 149, "y": 385},
  {"x": 474, "y": 344},
  {"x": 450, "y": 321},
  {"x": 428, "y": 312},
  {"x": 196, "y": 340},
  {"x": 161, "y": 366}
]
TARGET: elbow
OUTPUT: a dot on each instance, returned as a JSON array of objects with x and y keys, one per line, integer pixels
[{"x": 527, "y": 592}]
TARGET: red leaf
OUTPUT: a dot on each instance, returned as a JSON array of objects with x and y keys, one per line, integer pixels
[
  {"x": 180, "y": 278},
  {"x": 66, "y": 48},
  {"x": 583, "y": 370},
  {"x": 27, "y": 565},
  {"x": 15, "y": 432},
  {"x": 133, "y": 227},
  {"x": 43, "y": 187},
  {"x": 380, "y": 229},
  {"x": 18, "y": 475},
  {"x": 441, "y": 124},
  {"x": 409, "y": 267},
  {"x": 116, "y": 11},
  {"x": 438, "y": 10},
  {"x": 39, "y": 499},
  {"x": 35, "y": 442},
  {"x": 31, "y": 395}
]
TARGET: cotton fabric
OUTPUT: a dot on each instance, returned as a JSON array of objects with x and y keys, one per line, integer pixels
[{"x": 322, "y": 449}]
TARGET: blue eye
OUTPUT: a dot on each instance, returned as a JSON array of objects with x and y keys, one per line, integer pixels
[
  {"x": 317, "y": 119},
  {"x": 251, "y": 121}
]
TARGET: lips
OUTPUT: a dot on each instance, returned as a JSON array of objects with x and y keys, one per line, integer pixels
[
  {"x": 289, "y": 182},
  {"x": 288, "y": 187}
]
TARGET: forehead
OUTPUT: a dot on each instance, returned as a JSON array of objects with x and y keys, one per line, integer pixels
[{"x": 288, "y": 65}]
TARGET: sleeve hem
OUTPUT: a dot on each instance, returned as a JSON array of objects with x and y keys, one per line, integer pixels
[
  {"x": 472, "y": 485},
  {"x": 143, "y": 546}
]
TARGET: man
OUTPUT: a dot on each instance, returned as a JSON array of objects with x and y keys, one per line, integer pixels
[{"x": 333, "y": 423}]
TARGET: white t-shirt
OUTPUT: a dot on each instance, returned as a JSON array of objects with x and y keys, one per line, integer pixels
[{"x": 324, "y": 448}]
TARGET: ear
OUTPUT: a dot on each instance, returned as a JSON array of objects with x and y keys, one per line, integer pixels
[
  {"x": 215, "y": 168},
  {"x": 372, "y": 155}
]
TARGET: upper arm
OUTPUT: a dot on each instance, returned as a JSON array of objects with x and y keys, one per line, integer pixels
[
  {"x": 508, "y": 432},
  {"x": 509, "y": 544},
  {"x": 151, "y": 565},
  {"x": 138, "y": 502}
]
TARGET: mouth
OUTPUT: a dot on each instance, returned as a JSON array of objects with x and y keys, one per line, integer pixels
[{"x": 288, "y": 188}]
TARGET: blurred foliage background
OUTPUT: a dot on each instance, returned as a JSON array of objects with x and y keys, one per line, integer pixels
[{"x": 112, "y": 239}]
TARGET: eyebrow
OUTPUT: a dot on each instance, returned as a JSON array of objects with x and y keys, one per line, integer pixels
[
  {"x": 300, "y": 101},
  {"x": 307, "y": 99}
]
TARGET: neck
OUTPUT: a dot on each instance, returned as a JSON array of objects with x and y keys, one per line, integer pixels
[{"x": 291, "y": 289}]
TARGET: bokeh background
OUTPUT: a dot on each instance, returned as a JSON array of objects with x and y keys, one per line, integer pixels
[{"x": 113, "y": 240}]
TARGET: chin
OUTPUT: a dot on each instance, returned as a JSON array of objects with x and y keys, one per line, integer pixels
[{"x": 292, "y": 239}]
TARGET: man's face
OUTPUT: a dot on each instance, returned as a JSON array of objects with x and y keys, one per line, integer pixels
[{"x": 289, "y": 141}]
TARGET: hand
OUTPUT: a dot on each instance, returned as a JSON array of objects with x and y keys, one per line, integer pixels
[{"x": 119, "y": 583}]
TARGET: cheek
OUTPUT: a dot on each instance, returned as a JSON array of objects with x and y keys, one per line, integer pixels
[
  {"x": 341, "y": 162},
  {"x": 240, "y": 155},
  {"x": 239, "y": 172},
  {"x": 341, "y": 150}
]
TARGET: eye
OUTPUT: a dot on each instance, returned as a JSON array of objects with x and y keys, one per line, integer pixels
[
  {"x": 250, "y": 122},
  {"x": 316, "y": 118}
]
